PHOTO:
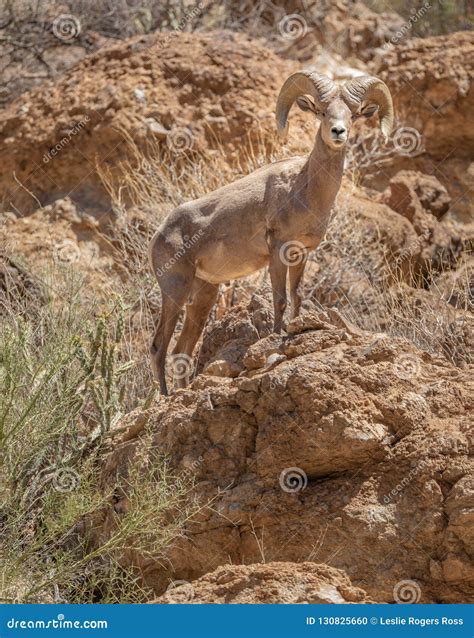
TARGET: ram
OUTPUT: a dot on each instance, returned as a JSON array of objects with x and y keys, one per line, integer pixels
[{"x": 271, "y": 217}]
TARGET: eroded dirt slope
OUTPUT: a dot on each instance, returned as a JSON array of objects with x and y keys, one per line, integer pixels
[
  {"x": 431, "y": 80},
  {"x": 188, "y": 92}
]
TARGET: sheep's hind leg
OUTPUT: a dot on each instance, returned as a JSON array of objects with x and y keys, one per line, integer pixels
[
  {"x": 175, "y": 289},
  {"x": 202, "y": 298},
  {"x": 278, "y": 270},
  {"x": 296, "y": 273}
]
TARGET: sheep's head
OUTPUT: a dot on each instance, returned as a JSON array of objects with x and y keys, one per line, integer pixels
[{"x": 337, "y": 107}]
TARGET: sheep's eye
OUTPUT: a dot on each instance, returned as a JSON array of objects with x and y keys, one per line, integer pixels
[{"x": 323, "y": 114}]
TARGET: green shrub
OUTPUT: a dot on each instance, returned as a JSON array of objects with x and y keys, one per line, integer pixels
[{"x": 63, "y": 383}]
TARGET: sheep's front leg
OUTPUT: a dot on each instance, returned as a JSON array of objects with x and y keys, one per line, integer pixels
[
  {"x": 278, "y": 270},
  {"x": 296, "y": 273}
]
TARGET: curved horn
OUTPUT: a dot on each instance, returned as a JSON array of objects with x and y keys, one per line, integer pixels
[
  {"x": 370, "y": 89},
  {"x": 320, "y": 87}
]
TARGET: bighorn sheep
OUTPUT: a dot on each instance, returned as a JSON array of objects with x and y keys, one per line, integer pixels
[{"x": 271, "y": 217}]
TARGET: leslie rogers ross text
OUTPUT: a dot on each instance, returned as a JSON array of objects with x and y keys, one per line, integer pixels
[{"x": 374, "y": 620}]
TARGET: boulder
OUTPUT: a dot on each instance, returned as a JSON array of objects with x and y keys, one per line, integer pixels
[{"x": 267, "y": 583}]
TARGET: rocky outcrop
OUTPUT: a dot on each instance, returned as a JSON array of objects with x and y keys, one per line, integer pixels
[
  {"x": 347, "y": 28},
  {"x": 334, "y": 446},
  {"x": 431, "y": 80},
  {"x": 226, "y": 341},
  {"x": 271, "y": 583},
  {"x": 410, "y": 190},
  {"x": 423, "y": 200},
  {"x": 63, "y": 234},
  {"x": 352, "y": 29},
  {"x": 184, "y": 91}
]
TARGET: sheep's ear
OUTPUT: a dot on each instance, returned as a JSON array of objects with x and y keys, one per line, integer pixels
[
  {"x": 306, "y": 104},
  {"x": 369, "y": 110}
]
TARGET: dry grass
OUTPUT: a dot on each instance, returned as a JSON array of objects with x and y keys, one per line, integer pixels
[
  {"x": 361, "y": 277},
  {"x": 156, "y": 178}
]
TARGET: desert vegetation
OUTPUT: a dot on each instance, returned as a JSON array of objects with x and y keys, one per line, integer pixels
[{"x": 111, "y": 492}]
